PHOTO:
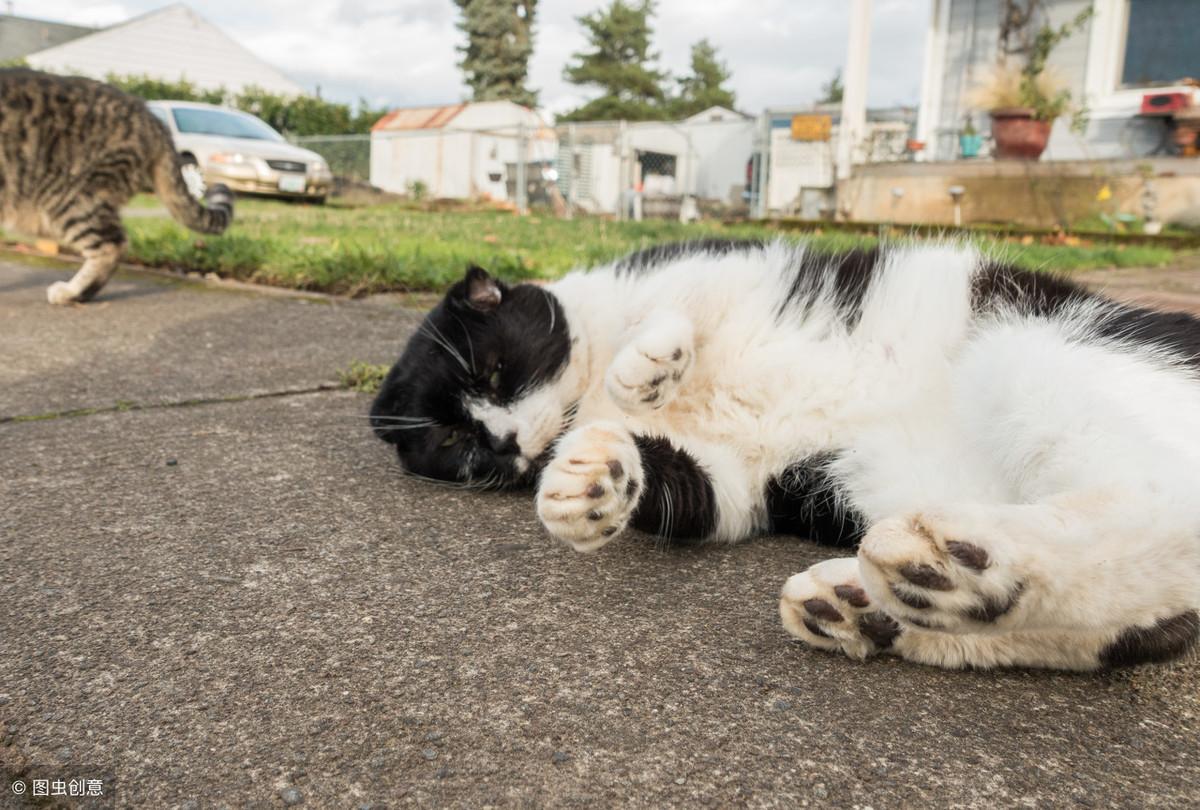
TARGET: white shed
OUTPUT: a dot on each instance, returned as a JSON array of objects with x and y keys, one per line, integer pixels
[
  {"x": 703, "y": 156},
  {"x": 458, "y": 151},
  {"x": 170, "y": 43},
  {"x": 723, "y": 141}
]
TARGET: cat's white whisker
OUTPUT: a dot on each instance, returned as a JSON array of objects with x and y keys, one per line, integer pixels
[
  {"x": 442, "y": 341},
  {"x": 470, "y": 344},
  {"x": 551, "y": 307}
]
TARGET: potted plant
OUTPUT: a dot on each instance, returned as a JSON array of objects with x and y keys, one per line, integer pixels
[
  {"x": 1021, "y": 95},
  {"x": 969, "y": 139}
]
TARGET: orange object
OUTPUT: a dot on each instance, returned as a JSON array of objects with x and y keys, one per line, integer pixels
[
  {"x": 812, "y": 127},
  {"x": 1164, "y": 103}
]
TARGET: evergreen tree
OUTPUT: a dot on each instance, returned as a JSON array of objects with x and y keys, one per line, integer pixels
[
  {"x": 705, "y": 87},
  {"x": 831, "y": 91},
  {"x": 620, "y": 63},
  {"x": 495, "y": 60}
]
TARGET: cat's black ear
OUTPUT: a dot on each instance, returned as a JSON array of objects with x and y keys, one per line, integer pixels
[{"x": 482, "y": 293}]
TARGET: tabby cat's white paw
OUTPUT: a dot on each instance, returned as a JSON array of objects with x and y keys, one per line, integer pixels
[
  {"x": 60, "y": 292},
  {"x": 589, "y": 490},
  {"x": 646, "y": 372}
]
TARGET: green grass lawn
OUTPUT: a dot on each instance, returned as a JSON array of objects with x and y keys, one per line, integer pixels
[{"x": 394, "y": 246}]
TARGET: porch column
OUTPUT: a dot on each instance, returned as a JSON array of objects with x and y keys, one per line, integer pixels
[
  {"x": 932, "y": 77},
  {"x": 853, "y": 126}
]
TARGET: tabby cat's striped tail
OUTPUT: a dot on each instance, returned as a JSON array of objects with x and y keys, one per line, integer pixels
[{"x": 213, "y": 217}]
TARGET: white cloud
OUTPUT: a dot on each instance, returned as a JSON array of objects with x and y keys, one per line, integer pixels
[{"x": 401, "y": 52}]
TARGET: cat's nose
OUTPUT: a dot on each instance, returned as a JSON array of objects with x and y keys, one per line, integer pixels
[{"x": 503, "y": 446}]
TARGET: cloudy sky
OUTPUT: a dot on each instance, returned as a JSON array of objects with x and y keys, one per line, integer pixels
[{"x": 402, "y": 52}]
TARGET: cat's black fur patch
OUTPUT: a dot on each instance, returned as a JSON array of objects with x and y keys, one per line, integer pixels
[
  {"x": 998, "y": 285},
  {"x": 1045, "y": 295},
  {"x": 1166, "y": 639},
  {"x": 678, "y": 500},
  {"x": 485, "y": 340},
  {"x": 803, "y": 501},
  {"x": 652, "y": 258},
  {"x": 846, "y": 276},
  {"x": 1178, "y": 332}
]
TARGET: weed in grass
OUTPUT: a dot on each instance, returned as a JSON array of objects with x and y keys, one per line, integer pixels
[{"x": 363, "y": 377}]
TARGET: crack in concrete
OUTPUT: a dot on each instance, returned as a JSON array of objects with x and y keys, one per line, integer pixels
[{"x": 123, "y": 406}]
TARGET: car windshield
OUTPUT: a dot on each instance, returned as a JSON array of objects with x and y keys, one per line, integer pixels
[{"x": 197, "y": 121}]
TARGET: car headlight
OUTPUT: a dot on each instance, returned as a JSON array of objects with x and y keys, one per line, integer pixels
[
  {"x": 228, "y": 157},
  {"x": 319, "y": 166}
]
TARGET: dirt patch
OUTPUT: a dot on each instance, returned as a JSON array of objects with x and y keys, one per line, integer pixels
[{"x": 1174, "y": 287}]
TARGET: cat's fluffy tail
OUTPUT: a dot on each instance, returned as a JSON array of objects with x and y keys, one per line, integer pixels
[{"x": 212, "y": 217}]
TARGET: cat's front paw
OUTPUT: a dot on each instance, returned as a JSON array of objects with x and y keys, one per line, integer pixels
[
  {"x": 647, "y": 371},
  {"x": 61, "y": 293},
  {"x": 589, "y": 490}
]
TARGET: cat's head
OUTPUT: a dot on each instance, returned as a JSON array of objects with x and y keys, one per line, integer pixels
[{"x": 476, "y": 395}]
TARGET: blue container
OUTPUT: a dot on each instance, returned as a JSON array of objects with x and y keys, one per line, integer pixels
[{"x": 969, "y": 145}]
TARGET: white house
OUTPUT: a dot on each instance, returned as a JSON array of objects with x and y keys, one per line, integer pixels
[
  {"x": 21, "y": 36},
  {"x": 1127, "y": 49},
  {"x": 458, "y": 151},
  {"x": 170, "y": 43}
]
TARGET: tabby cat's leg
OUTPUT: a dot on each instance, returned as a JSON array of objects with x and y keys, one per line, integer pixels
[
  {"x": 653, "y": 362},
  {"x": 604, "y": 479},
  {"x": 99, "y": 237}
]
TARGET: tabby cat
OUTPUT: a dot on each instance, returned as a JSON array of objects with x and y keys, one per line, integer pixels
[
  {"x": 1015, "y": 458},
  {"x": 72, "y": 152}
]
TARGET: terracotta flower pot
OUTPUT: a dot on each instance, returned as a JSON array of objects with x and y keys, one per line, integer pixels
[
  {"x": 1018, "y": 135},
  {"x": 1187, "y": 131}
]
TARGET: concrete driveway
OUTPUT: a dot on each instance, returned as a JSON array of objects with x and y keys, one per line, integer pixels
[{"x": 217, "y": 591}]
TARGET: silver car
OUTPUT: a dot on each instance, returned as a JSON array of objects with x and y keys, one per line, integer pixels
[{"x": 243, "y": 152}]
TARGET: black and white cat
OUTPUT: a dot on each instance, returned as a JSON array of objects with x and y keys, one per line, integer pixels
[{"x": 1016, "y": 458}]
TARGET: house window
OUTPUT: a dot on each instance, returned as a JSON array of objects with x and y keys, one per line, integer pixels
[{"x": 1160, "y": 42}]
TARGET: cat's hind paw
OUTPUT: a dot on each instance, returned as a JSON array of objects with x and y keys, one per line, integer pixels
[
  {"x": 939, "y": 573},
  {"x": 646, "y": 371},
  {"x": 590, "y": 488},
  {"x": 826, "y": 607}
]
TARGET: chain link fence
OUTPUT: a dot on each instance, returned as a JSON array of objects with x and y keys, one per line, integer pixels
[
  {"x": 656, "y": 169},
  {"x": 348, "y": 156}
]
